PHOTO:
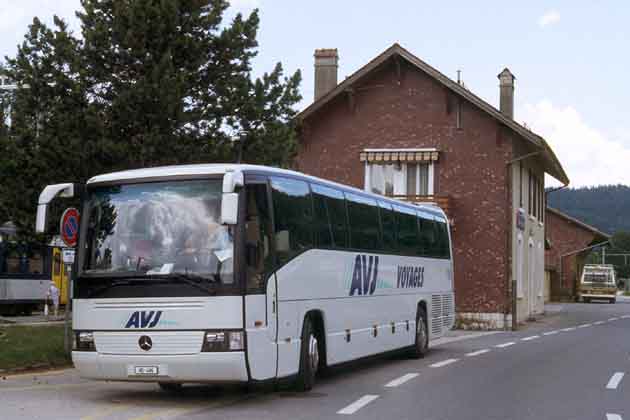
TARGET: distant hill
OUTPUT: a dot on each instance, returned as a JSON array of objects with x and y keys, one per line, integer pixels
[{"x": 606, "y": 207}]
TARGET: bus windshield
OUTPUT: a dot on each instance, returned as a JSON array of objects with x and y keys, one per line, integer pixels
[{"x": 160, "y": 231}]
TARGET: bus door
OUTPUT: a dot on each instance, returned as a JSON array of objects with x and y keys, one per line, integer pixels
[
  {"x": 60, "y": 275},
  {"x": 262, "y": 297}
]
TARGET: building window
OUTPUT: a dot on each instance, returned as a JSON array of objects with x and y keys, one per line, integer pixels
[
  {"x": 542, "y": 199},
  {"x": 458, "y": 115},
  {"x": 529, "y": 193},
  {"x": 535, "y": 205},
  {"x": 398, "y": 178},
  {"x": 544, "y": 204},
  {"x": 519, "y": 266},
  {"x": 520, "y": 184}
]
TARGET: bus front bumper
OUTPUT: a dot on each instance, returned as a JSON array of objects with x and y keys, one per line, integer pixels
[{"x": 219, "y": 367}]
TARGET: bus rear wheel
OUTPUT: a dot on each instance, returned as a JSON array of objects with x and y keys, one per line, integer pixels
[
  {"x": 309, "y": 358},
  {"x": 421, "y": 344}
]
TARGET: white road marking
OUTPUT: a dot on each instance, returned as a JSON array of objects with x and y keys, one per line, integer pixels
[
  {"x": 532, "y": 337},
  {"x": 613, "y": 319},
  {"x": 508, "y": 344},
  {"x": 477, "y": 353},
  {"x": 568, "y": 329},
  {"x": 448, "y": 340},
  {"x": 585, "y": 325},
  {"x": 358, "y": 404},
  {"x": 613, "y": 383},
  {"x": 613, "y": 417},
  {"x": 551, "y": 332},
  {"x": 443, "y": 363},
  {"x": 399, "y": 381},
  {"x": 600, "y": 322},
  {"x": 626, "y": 316}
]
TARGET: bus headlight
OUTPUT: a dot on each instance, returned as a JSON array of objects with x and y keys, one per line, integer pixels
[
  {"x": 223, "y": 341},
  {"x": 84, "y": 341}
]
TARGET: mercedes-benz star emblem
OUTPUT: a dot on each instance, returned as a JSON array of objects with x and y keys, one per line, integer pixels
[{"x": 145, "y": 343}]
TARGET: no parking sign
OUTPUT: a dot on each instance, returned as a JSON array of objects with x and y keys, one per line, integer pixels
[{"x": 70, "y": 227}]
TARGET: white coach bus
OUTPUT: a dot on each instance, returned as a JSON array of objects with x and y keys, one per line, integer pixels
[{"x": 240, "y": 273}]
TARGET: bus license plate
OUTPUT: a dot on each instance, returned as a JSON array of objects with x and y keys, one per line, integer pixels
[{"x": 146, "y": 370}]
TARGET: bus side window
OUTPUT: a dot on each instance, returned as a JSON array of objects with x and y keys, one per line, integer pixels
[
  {"x": 364, "y": 222},
  {"x": 330, "y": 217},
  {"x": 407, "y": 231},
  {"x": 257, "y": 234},
  {"x": 388, "y": 221},
  {"x": 323, "y": 228},
  {"x": 428, "y": 232},
  {"x": 442, "y": 234},
  {"x": 293, "y": 217}
]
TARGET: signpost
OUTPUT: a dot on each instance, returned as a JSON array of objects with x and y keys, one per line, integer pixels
[
  {"x": 69, "y": 231},
  {"x": 70, "y": 227}
]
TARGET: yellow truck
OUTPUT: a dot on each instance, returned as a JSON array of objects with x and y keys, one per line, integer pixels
[{"x": 598, "y": 282}]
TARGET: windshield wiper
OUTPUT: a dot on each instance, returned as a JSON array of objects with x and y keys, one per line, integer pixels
[
  {"x": 194, "y": 280},
  {"x": 191, "y": 279},
  {"x": 117, "y": 282}
]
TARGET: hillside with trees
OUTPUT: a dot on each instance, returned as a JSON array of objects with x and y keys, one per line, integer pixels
[{"x": 607, "y": 207}]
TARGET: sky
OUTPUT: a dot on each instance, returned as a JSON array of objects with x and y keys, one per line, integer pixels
[{"x": 570, "y": 58}]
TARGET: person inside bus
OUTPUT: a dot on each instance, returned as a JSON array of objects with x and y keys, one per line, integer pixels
[
  {"x": 187, "y": 254},
  {"x": 206, "y": 251}
]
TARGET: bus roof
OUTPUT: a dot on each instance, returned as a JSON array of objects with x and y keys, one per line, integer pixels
[{"x": 165, "y": 172}]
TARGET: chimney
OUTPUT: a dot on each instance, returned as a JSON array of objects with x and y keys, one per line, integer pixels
[
  {"x": 325, "y": 71},
  {"x": 506, "y": 84}
]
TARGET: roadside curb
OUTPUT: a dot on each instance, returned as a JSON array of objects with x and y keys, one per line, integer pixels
[
  {"x": 32, "y": 324},
  {"x": 37, "y": 368}
]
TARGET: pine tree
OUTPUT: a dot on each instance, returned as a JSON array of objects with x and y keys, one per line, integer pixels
[{"x": 52, "y": 137}]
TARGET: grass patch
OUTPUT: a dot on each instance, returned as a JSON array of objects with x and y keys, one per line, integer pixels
[{"x": 27, "y": 346}]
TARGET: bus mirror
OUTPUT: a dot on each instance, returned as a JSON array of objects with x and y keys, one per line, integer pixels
[
  {"x": 231, "y": 180},
  {"x": 50, "y": 192},
  {"x": 229, "y": 208}
]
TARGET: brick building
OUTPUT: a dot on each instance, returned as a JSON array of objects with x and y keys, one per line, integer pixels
[
  {"x": 568, "y": 241},
  {"x": 399, "y": 127}
]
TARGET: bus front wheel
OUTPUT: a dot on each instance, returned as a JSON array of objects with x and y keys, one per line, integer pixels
[
  {"x": 309, "y": 358},
  {"x": 421, "y": 344}
]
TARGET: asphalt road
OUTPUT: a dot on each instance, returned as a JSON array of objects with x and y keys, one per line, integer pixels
[{"x": 572, "y": 364}]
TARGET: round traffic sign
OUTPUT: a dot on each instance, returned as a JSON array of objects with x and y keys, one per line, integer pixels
[{"x": 70, "y": 226}]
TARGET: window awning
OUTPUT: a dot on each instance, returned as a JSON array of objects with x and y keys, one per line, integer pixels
[{"x": 377, "y": 156}]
